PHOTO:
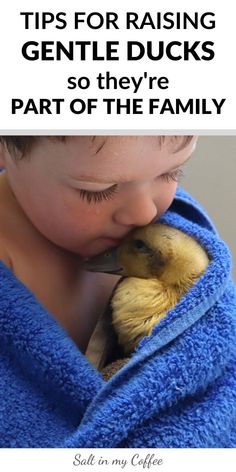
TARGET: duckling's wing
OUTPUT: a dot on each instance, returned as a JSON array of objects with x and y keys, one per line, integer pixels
[{"x": 137, "y": 306}]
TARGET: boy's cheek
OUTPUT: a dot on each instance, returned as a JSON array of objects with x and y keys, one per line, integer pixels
[{"x": 85, "y": 227}]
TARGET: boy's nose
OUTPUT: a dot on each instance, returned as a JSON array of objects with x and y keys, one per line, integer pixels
[{"x": 139, "y": 209}]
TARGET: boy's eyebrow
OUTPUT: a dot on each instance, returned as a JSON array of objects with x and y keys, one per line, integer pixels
[
  {"x": 97, "y": 179},
  {"x": 100, "y": 179}
]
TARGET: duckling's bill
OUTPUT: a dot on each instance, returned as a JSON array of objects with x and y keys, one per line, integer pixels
[{"x": 105, "y": 262}]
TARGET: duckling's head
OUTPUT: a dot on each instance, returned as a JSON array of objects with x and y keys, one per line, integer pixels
[{"x": 154, "y": 251}]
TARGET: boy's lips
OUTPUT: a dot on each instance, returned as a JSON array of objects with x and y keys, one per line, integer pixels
[{"x": 114, "y": 241}]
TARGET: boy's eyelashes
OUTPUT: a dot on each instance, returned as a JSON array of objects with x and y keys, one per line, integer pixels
[
  {"x": 98, "y": 196},
  {"x": 107, "y": 194},
  {"x": 174, "y": 175}
]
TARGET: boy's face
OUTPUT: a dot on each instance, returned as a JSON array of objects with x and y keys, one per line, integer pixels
[{"x": 130, "y": 177}]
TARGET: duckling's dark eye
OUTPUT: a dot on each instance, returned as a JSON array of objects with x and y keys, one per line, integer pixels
[{"x": 140, "y": 245}]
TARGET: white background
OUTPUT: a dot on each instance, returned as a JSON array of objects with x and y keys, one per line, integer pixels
[
  {"x": 173, "y": 460},
  {"x": 24, "y": 79}
]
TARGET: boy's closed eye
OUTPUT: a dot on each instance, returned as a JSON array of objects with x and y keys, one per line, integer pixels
[{"x": 97, "y": 196}]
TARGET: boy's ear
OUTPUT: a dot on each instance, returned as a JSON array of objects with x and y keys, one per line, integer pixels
[{"x": 2, "y": 156}]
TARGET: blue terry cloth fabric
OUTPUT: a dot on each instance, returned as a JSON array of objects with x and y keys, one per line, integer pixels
[{"x": 178, "y": 390}]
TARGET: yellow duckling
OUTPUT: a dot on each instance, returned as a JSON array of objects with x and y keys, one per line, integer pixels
[{"x": 160, "y": 264}]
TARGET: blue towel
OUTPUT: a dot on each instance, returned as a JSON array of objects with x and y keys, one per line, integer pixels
[{"x": 178, "y": 390}]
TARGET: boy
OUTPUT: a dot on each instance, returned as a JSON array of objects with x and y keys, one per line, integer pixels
[
  {"x": 48, "y": 220},
  {"x": 62, "y": 200}
]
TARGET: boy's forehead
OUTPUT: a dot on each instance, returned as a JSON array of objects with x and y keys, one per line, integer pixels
[
  {"x": 98, "y": 142},
  {"x": 173, "y": 143},
  {"x": 123, "y": 159},
  {"x": 127, "y": 145}
]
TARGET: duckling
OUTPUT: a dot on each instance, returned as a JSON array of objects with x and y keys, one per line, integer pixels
[{"x": 158, "y": 265}]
